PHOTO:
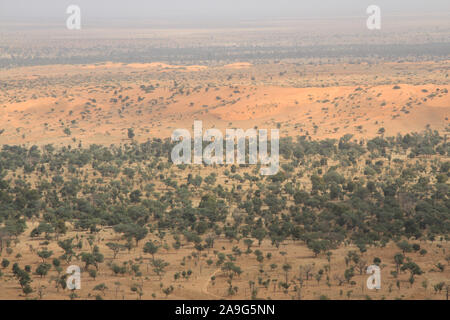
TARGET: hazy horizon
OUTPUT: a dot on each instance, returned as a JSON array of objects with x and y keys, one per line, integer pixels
[{"x": 205, "y": 10}]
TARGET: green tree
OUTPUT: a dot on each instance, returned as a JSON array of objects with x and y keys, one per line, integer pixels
[
  {"x": 43, "y": 269},
  {"x": 159, "y": 266},
  {"x": 44, "y": 254},
  {"x": 151, "y": 248}
]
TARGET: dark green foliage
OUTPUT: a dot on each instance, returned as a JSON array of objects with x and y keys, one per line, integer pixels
[{"x": 387, "y": 200}]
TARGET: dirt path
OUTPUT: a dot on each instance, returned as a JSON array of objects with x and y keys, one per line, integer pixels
[{"x": 205, "y": 287}]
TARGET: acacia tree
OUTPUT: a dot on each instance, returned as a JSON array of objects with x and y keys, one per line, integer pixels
[
  {"x": 248, "y": 243},
  {"x": 43, "y": 269},
  {"x": 413, "y": 268},
  {"x": 93, "y": 258},
  {"x": 404, "y": 246},
  {"x": 361, "y": 266},
  {"x": 68, "y": 247},
  {"x": 259, "y": 234},
  {"x": 159, "y": 266},
  {"x": 286, "y": 268},
  {"x": 132, "y": 231},
  {"x": 101, "y": 287},
  {"x": 167, "y": 291},
  {"x": 44, "y": 254},
  {"x": 151, "y": 248},
  {"x": 349, "y": 274},
  {"x": 115, "y": 248},
  {"x": 398, "y": 259}
]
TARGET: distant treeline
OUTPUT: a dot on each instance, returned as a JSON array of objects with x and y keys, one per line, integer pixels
[{"x": 208, "y": 54}]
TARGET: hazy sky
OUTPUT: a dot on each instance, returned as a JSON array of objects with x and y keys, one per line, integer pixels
[{"x": 212, "y": 9}]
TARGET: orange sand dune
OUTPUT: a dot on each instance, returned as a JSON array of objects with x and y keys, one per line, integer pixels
[
  {"x": 99, "y": 110},
  {"x": 238, "y": 65},
  {"x": 153, "y": 65}
]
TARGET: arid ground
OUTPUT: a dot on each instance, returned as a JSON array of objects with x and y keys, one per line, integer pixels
[{"x": 356, "y": 127}]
